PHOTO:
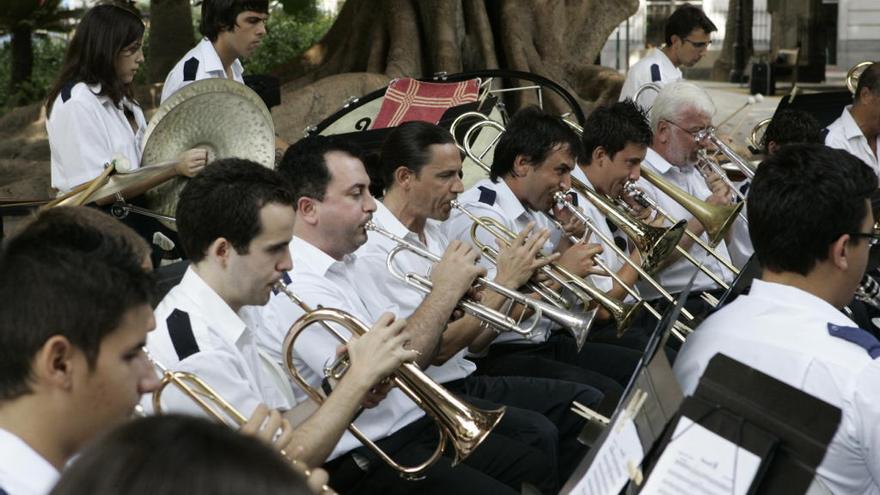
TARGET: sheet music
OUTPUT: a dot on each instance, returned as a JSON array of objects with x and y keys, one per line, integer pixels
[
  {"x": 609, "y": 471},
  {"x": 700, "y": 462}
]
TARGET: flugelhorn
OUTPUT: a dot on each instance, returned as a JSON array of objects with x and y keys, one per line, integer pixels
[
  {"x": 621, "y": 312},
  {"x": 211, "y": 403},
  {"x": 578, "y": 326},
  {"x": 464, "y": 425}
]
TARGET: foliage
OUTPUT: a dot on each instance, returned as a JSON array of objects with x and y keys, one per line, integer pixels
[
  {"x": 288, "y": 37},
  {"x": 48, "y": 56}
]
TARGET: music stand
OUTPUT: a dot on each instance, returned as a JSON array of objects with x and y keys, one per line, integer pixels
[
  {"x": 654, "y": 382},
  {"x": 787, "y": 428}
]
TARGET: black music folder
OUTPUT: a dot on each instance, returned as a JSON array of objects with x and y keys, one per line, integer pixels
[{"x": 788, "y": 429}]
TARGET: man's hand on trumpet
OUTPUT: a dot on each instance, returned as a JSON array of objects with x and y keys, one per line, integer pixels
[
  {"x": 376, "y": 355},
  {"x": 457, "y": 269},
  {"x": 518, "y": 261},
  {"x": 579, "y": 259}
]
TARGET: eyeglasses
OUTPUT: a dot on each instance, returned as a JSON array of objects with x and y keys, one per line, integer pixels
[
  {"x": 699, "y": 45},
  {"x": 873, "y": 236},
  {"x": 696, "y": 134}
]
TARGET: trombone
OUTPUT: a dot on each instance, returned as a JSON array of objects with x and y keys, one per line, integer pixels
[
  {"x": 745, "y": 166},
  {"x": 577, "y": 325},
  {"x": 464, "y": 425},
  {"x": 586, "y": 292},
  {"x": 680, "y": 330}
]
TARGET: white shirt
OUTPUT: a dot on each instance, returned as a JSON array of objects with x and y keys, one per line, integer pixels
[
  {"x": 201, "y": 62},
  {"x": 674, "y": 277},
  {"x": 86, "y": 131},
  {"x": 22, "y": 470},
  {"x": 845, "y": 134},
  {"x": 644, "y": 72},
  {"x": 323, "y": 281},
  {"x": 783, "y": 331},
  {"x": 607, "y": 255},
  {"x": 381, "y": 292},
  {"x": 511, "y": 213},
  {"x": 225, "y": 356}
]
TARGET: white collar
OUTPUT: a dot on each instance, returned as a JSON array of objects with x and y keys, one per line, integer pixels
[
  {"x": 507, "y": 200},
  {"x": 657, "y": 162},
  {"x": 308, "y": 258},
  {"x": 32, "y": 473},
  {"x": 213, "y": 307},
  {"x": 851, "y": 128},
  {"x": 790, "y": 295},
  {"x": 211, "y": 59}
]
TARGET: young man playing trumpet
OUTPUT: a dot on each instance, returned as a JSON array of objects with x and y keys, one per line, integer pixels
[
  {"x": 533, "y": 161},
  {"x": 419, "y": 173},
  {"x": 235, "y": 223},
  {"x": 333, "y": 204}
]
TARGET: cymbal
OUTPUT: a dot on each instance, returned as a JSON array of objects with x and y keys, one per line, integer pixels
[{"x": 226, "y": 123}]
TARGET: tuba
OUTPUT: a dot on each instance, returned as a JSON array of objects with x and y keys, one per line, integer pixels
[
  {"x": 853, "y": 74},
  {"x": 464, "y": 425}
]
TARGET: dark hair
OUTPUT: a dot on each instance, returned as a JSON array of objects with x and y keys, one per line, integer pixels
[
  {"x": 220, "y": 15},
  {"x": 533, "y": 134},
  {"x": 408, "y": 146},
  {"x": 685, "y": 19},
  {"x": 613, "y": 127},
  {"x": 225, "y": 200},
  {"x": 790, "y": 126},
  {"x": 802, "y": 199},
  {"x": 103, "y": 32},
  {"x": 304, "y": 166},
  {"x": 65, "y": 276},
  {"x": 172, "y": 454},
  {"x": 869, "y": 78}
]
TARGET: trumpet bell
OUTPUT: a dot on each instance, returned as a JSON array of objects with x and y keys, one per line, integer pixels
[{"x": 464, "y": 425}]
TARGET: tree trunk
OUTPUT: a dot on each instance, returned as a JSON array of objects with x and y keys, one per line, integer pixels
[
  {"x": 556, "y": 39},
  {"x": 723, "y": 65},
  {"x": 22, "y": 61},
  {"x": 171, "y": 36}
]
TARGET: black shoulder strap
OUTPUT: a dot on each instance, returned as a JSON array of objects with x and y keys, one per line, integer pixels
[
  {"x": 181, "y": 333},
  {"x": 655, "y": 72},
  {"x": 190, "y": 68},
  {"x": 66, "y": 89},
  {"x": 487, "y": 195}
]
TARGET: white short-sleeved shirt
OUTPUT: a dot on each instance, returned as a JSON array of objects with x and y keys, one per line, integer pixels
[
  {"x": 607, "y": 255},
  {"x": 86, "y": 131},
  {"x": 655, "y": 67},
  {"x": 674, "y": 277},
  {"x": 845, "y": 134},
  {"x": 496, "y": 200},
  {"x": 22, "y": 470},
  {"x": 786, "y": 333},
  {"x": 197, "y": 332},
  {"x": 322, "y": 281},
  {"x": 201, "y": 62},
  {"x": 381, "y": 292}
]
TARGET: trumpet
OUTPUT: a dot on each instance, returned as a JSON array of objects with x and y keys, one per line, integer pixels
[
  {"x": 621, "y": 312},
  {"x": 744, "y": 166},
  {"x": 578, "y": 326},
  {"x": 210, "y": 402},
  {"x": 464, "y": 425}
]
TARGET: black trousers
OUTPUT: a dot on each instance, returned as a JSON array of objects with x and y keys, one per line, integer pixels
[
  {"x": 606, "y": 367},
  {"x": 499, "y": 465},
  {"x": 538, "y": 412}
]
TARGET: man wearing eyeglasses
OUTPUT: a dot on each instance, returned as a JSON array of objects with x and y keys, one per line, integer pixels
[
  {"x": 687, "y": 33},
  {"x": 811, "y": 223},
  {"x": 682, "y": 110}
]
